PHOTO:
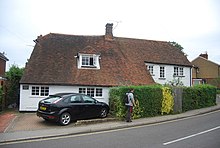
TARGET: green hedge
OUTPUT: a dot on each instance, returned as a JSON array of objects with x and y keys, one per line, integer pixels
[
  {"x": 198, "y": 96},
  {"x": 148, "y": 100},
  {"x": 155, "y": 100}
]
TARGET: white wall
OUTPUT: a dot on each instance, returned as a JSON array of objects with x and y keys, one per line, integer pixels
[
  {"x": 169, "y": 74},
  {"x": 30, "y": 103}
]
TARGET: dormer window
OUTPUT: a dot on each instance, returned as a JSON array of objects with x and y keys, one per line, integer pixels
[{"x": 88, "y": 61}]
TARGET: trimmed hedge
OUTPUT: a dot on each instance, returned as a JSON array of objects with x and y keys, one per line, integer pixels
[
  {"x": 198, "y": 96},
  {"x": 148, "y": 99},
  {"x": 157, "y": 100}
]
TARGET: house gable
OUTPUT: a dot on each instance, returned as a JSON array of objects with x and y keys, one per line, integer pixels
[{"x": 204, "y": 68}]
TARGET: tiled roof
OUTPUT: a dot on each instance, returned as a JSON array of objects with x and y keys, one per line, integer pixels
[
  {"x": 2, "y": 56},
  {"x": 122, "y": 60}
]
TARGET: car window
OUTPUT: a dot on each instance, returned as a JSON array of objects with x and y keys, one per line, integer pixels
[
  {"x": 88, "y": 99},
  {"x": 75, "y": 99},
  {"x": 51, "y": 99}
]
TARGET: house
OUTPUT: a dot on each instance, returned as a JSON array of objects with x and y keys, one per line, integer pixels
[
  {"x": 93, "y": 64},
  {"x": 3, "y": 61},
  {"x": 205, "y": 71}
]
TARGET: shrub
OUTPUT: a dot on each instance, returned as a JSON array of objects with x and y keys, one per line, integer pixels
[
  {"x": 198, "y": 96},
  {"x": 148, "y": 101},
  {"x": 167, "y": 101}
]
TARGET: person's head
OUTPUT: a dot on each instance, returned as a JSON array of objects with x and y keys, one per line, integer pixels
[{"x": 131, "y": 90}]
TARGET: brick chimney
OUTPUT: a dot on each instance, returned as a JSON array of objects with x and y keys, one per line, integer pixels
[
  {"x": 108, "y": 31},
  {"x": 205, "y": 55}
]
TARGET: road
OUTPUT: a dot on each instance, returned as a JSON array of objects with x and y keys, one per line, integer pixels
[{"x": 201, "y": 131}]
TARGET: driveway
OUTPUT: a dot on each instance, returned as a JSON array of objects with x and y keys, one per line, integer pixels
[
  {"x": 29, "y": 121},
  {"x": 5, "y": 120},
  {"x": 15, "y": 121}
]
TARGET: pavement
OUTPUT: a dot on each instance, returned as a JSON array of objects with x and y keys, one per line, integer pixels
[{"x": 15, "y": 126}]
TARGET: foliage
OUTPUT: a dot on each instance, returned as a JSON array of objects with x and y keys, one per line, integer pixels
[
  {"x": 175, "y": 44},
  {"x": 13, "y": 77},
  {"x": 168, "y": 101},
  {"x": 215, "y": 82},
  {"x": 156, "y": 99},
  {"x": 148, "y": 101},
  {"x": 174, "y": 82},
  {"x": 198, "y": 96}
]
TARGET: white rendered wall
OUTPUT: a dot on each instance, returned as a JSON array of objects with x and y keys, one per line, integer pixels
[
  {"x": 169, "y": 74},
  {"x": 30, "y": 103}
]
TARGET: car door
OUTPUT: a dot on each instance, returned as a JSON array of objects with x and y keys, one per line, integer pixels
[
  {"x": 75, "y": 102},
  {"x": 91, "y": 108}
]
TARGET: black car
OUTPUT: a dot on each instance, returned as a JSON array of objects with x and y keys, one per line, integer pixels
[{"x": 64, "y": 107}]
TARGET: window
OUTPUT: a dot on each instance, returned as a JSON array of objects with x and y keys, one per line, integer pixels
[
  {"x": 93, "y": 92},
  {"x": 82, "y": 90},
  {"x": 178, "y": 71},
  {"x": 151, "y": 69},
  {"x": 25, "y": 87},
  {"x": 175, "y": 71},
  {"x": 98, "y": 92},
  {"x": 162, "y": 72},
  {"x": 87, "y": 99},
  {"x": 44, "y": 91},
  {"x": 39, "y": 91},
  {"x": 75, "y": 99},
  {"x": 88, "y": 61},
  {"x": 35, "y": 91},
  {"x": 181, "y": 71}
]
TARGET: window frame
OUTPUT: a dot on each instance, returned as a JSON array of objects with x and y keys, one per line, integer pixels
[
  {"x": 178, "y": 71},
  {"x": 91, "y": 91},
  {"x": 151, "y": 69},
  {"x": 40, "y": 91},
  {"x": 88, "y": 61},
  {"x": 162, "y": 72}
]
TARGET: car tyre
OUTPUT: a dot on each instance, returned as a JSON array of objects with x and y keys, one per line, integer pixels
[
  {"x": 103, "y": 113},
  {"x": 65, "y": 118}
]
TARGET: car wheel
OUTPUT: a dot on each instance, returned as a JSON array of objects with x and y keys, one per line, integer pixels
[
  {"x": 103, "y": 113},
  {"x": 65, "y": 118}
]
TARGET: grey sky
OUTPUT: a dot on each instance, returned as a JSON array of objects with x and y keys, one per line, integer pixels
[{"x": 194, "y": 24}]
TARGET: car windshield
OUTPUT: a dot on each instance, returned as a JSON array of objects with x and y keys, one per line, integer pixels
[{"x": 52, "y": 99}]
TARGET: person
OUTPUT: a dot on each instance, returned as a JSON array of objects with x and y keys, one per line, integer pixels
[{"x": 130, "y": 105}]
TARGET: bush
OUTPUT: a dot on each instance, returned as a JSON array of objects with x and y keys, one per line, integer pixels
[
  {"x": 168, "y": 101},
  {"x": 156, "y": 99},
  {"x": 148, "y": 101},
  {"x": 198, "y": 96}
]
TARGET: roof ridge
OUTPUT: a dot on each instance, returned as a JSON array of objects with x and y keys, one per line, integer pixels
[
  {"x": 126, "y": 38},
  {"x": 205, "y": 59}
]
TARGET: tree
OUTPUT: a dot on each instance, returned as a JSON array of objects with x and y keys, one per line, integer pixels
[
  {"x": 175, "y": 44},
  {"x": 13, "y": 77}
]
